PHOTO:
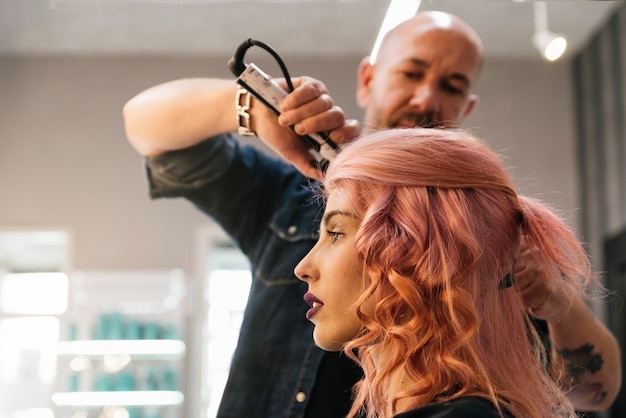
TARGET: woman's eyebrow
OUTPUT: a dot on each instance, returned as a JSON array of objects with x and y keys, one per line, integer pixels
[{"x": 329, "y": 215}]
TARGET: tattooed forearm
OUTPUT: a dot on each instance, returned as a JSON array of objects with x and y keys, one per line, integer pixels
[{"x": 579, "y": 364}]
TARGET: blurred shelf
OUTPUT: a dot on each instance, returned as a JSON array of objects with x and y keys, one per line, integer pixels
[
  {"x": 137, "y": 349},
  {"x": 118, "y": 398}
]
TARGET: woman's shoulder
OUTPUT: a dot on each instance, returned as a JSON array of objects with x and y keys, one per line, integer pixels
[{"x": 463, "y": 407}]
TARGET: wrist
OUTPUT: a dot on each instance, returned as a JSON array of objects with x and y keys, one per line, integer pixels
[{"x": 243, "y": 104}]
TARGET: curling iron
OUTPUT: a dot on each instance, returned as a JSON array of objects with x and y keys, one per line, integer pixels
[{"x": 267, "y": 91}]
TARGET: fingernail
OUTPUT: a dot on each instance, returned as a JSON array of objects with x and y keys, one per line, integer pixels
[
  {"x": 337, "y": 137},
  {"x": 284, "y": 120}
]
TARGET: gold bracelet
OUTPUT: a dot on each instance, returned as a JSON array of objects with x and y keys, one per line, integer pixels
[{"x": 242, "y": 105}]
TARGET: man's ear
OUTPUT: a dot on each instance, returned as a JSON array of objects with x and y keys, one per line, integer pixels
[
  {"x": 365, "y": 76},
  {"x": 472, "y": 101}
]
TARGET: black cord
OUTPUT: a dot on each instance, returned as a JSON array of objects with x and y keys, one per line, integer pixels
[
  {"x": 237, "y": 64},
  {"x": 278, "y": 59}
]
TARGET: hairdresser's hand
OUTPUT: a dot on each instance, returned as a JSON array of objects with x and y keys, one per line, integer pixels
[
  {"x": 585, "y": 350},
  {"x": 545, "y": 297},
  {"x": 308, "y": 109}
]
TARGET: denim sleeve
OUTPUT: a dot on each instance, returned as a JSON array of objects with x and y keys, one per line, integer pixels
[
  {"x": 248, "y": 192},
  {"x": 177, "y": 173}
]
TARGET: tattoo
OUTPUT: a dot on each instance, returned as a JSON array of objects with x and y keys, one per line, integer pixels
[{"x": 581, "y": 360}]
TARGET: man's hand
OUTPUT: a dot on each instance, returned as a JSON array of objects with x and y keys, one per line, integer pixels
[
  {"x": 584, "y": 347},
  {"x": 306, "y": 110},
  {"x": 546, "y": 298}
]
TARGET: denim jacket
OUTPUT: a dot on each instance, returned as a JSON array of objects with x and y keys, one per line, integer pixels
[{"x": 270, "y": 211}]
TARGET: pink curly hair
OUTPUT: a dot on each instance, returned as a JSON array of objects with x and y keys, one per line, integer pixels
[{"x": 441, "y": 226}]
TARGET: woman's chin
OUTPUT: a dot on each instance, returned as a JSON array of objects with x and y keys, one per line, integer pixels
[{"x": 328, "y": 345}]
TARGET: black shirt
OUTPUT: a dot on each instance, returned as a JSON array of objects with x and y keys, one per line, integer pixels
[{"x": 464, "y": 407}]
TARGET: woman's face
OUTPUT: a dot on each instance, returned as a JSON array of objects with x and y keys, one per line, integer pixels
[{"x": 334, "y": 276}]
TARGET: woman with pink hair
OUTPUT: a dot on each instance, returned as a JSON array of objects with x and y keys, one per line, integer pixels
[{"x": 413, "y": 278}]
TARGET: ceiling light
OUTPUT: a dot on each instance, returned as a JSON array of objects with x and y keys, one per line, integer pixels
[
  {"x": 397, "y": 12},
  {"x": 550, "y": 45}
]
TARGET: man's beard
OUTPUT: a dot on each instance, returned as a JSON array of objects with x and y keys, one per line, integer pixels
[
  {"x": 405, "y": 120},
  {"x": 415, "y": 120}
]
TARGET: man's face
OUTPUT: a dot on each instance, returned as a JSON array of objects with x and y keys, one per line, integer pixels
[{"x": 421, "y": 78}]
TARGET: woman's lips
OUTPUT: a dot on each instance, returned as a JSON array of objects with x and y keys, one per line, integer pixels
[{"x": 314, "y": 303}]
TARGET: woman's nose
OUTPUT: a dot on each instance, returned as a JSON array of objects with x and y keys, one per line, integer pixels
[{"x": 303, "y": 269}]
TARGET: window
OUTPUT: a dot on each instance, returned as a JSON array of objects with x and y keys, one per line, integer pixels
[
  {"x": 226, "y": 290},
  {"x": 33, "y": 298}
]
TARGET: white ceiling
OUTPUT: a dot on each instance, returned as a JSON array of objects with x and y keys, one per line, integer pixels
[{"x": 306, "y": 27}]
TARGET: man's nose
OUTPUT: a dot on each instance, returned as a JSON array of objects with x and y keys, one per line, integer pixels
[{"x": 426, "y": 98}]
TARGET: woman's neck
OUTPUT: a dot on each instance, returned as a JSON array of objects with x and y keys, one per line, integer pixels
[
  {"x": 403, "y": 383},
  {"x": 399, "y": 381}
]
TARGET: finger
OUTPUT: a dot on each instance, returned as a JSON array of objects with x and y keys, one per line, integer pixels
[
  {"x": 523, "y": 256},
  {"x": 306, "y": 89},
  {"x": 317, "y": 107},
  {"x": 347, "y": 132},
  {"x": 307, "y": 165},
  {"x": 313, "y": 171},
  {"x": 327, "y": 121}
]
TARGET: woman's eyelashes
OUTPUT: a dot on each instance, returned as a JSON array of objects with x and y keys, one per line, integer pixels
[
  {"x": 331, "y": 234},
  {"x": 334, "y": 235}
]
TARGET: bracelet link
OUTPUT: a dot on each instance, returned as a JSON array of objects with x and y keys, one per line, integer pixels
[{"x": 242, "y": 106}]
